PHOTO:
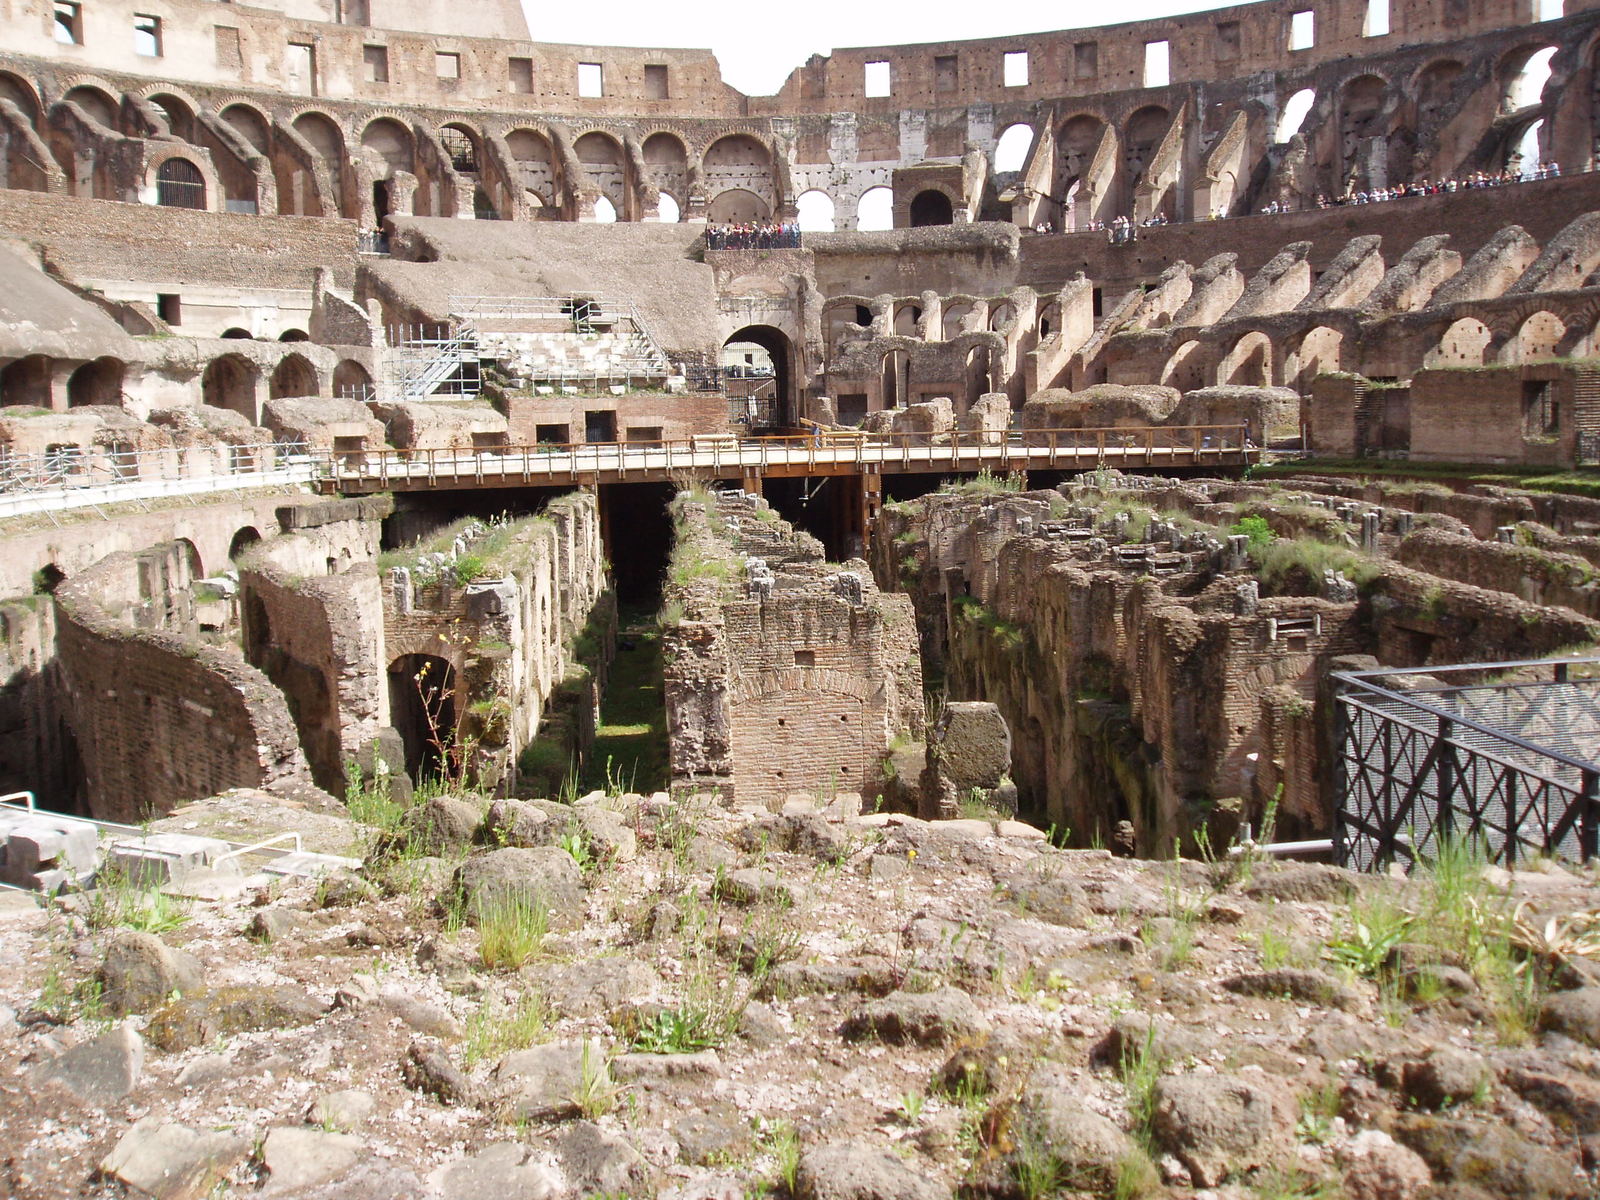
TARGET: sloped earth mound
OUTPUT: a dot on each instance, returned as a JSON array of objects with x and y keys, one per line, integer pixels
[{"x": 882, "y": 1008}]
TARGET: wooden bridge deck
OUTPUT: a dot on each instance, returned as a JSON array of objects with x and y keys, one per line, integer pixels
[{"x": 826, "y": 454}]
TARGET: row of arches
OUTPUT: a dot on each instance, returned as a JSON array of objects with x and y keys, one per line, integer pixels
[{"x": 1255, "y": 359}]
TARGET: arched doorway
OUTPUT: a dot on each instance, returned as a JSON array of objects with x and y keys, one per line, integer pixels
[
  {"x": 230, "y": 382},
  {"x": 776, "y": 343},
  {"x": 422, "y": 706},
  {"x": 931, "y": 207},
  {"x": 242, "y": 540},
  {"x": 179, "y": 184},
  {"x": 97, "y": 382},
  {"x": 294, "y": 376}
]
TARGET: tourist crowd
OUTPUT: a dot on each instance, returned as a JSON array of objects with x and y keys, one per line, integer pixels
[
  {"x": 1441, "y": 187},
  {"x": 754, "y": 235},
  {"x": 1122, "y": 230}
]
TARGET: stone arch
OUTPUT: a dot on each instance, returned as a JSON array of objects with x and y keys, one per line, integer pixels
[
  {"x": 351, "y": 380},
  {"x": 388, "y": 144},
  {"x": 97, "y": 382},
  {"x": 229, "y": 382},
  {"x": 323, "y": 135},
  {"x": 1538, "y": 336},
  {"x": 1012, "y": 147},
  {"x": 1523, "y": 73},
  {"x": 179, "y": 113},
  {"x": 27, "y": 381},
  {"x": 668, "y": 210},
  {"x": 1140, "y": 138},
  {"x": 906, "y": 315},
  {"x": 975, "y": 374},
  {"x": 779, "y": 348},
  {"x": 875, "y": 209},
  {"x": 423, "y": 705},
  {"x": 294, "y": 335},
  {"x": 463, "y": 145},
  {"x": 664, "y": 149},
  {"x": 21, "y": 93},
  {"x": 955, "y": 314},
  {"x": 191, "y": 559},
  {"x": 1185, "y": 368},
  {"x": 236, "y": 333},
  {"x": 535, "y": 158},
  {"x": 738, "y": 161},
  {"x": 1295, "y": 111},
  {"x": 1077, "y": 139},
  {"x": 1361, "y": 102},
  {"x": 1249, "y": 362},
  {"x": 601, "y": 156},
  {"x": 97, "y": 103},
  {"x": 293, "y": 376},
  {"x": 251, "y": 124},
  {"x": 1318, "y": 353},
  {"x": 816, "y": 211},
  {"x": 180, "y": 184},
  {"x": 931, "y": 206},
  {"x": 1001, "y": 314},
  {"x": 1462, "y": 344},
  {"x": 242, "y": 540},
  {"x": 1434, "y": 85},
  {"x": 735, "y": 205}
]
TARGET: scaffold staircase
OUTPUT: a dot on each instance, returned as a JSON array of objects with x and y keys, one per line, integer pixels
[{"x": 426, "y": 358}]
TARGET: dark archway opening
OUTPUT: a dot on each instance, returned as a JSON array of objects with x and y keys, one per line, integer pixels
[
  {"x": 242, "y": 541},
  {"x": 230, "y": 382},
  {"x": 776, "y": 343},
  {"x": 638, "y": 538},
  {"x": 821, "y": 506},
  {"x": 422, "y": 706},
  {"x": 97, "y": 382},
  {"x": 931, "y": 207},
  {"x": 382, "y": 201}
]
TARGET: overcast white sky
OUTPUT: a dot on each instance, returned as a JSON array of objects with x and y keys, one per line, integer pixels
[{"x": 759, "y": 43}]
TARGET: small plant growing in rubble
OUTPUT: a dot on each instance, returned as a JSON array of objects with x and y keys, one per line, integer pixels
[
  {"x": 120, "y": 899},
  {"x": 511, "y": 929}
]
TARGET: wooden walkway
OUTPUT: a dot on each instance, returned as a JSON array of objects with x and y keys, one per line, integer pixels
[{"x": 754, "y": 458}]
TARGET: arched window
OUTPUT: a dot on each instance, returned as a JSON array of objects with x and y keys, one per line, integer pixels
[
  {"x": 1294, "y": 114},
  {"x": 179, "y": 184},
  {"x": 931, "y": 207},
  {"x": 816, "y": 212},
  {"x": 875, "y": 209},
  {"x": 1012, "y": 149}
]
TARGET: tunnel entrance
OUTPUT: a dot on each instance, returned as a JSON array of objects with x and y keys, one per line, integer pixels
[
  {"x": 422, "y": 707},
  {"x": 776, "y": 343},
  {"x": 824, "y": 506},
  {"x": 638, "y": 537}
]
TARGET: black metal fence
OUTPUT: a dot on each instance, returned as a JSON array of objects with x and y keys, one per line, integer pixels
[{"x": 1504, "y": 754}]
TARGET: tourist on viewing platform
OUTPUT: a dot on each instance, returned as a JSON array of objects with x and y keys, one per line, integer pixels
[{"x": 754, "y": 235}]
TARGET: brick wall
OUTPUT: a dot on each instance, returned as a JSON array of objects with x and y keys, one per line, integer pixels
[{"x": 161, "y": 718}]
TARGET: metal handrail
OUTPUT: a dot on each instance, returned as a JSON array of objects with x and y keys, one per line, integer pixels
[
  {"x": 1362, "y": 680},
  {"x": 27, "y": 799},
  {"x": 77, "y": 467},
  {"x": 956, "y": 451}
]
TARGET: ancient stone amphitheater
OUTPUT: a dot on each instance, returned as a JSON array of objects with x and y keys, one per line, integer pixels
[{"x": 1014, "y": 619}]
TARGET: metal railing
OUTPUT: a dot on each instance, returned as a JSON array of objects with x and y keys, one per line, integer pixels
[
  {"x": 76, "y": 476},
  {"x": 585, "y": 314},
  {"x": 1502, "y": 754},
  {"x": 821, "y": 450}
]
